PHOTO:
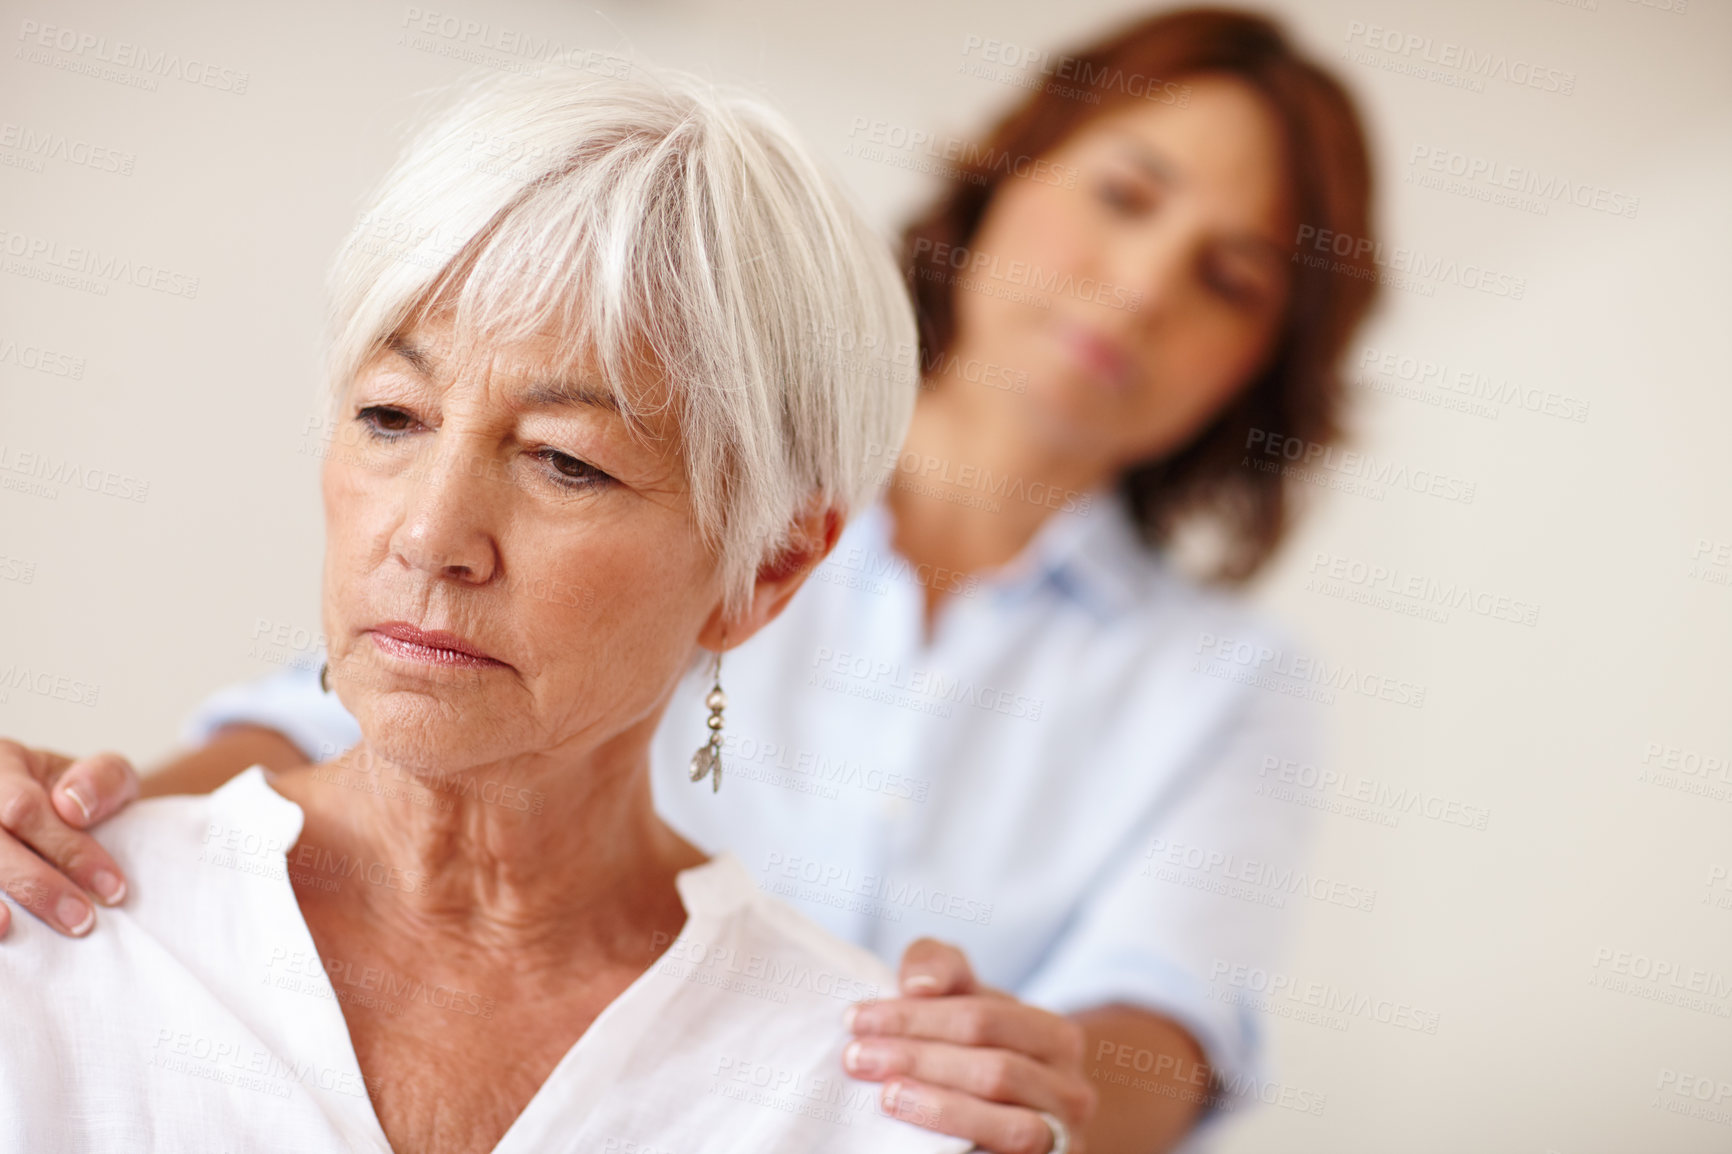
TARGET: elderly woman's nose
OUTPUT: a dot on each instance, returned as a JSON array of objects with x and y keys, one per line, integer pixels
[{"x": 447, "y": 524}]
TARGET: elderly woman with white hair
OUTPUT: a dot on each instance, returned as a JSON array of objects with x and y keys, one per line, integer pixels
[{"x": 599, "y": 370}]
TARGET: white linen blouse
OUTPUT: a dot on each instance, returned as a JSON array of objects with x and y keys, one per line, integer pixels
[
  {"x": 198, "y": 1016},
  {"x": 1081, "y": 776}
]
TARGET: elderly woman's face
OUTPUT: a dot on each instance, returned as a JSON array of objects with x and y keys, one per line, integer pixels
[{"x": 508, "y": 570}]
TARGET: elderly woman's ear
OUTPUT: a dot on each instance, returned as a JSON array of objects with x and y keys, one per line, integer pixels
[{"x": 814, "y": 533}]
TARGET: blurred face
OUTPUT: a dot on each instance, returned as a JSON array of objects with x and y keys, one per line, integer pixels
[
  {"x": 508, "y": 571},
  {"x": 1181, "y": 210}
]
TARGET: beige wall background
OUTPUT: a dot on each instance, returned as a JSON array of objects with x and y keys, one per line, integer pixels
[{"x": 1570, "y": 962}]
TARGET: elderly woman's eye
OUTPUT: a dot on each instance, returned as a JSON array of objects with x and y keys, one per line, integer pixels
[
  {"x": 567, "y": 470},
  {"x": 383, "y": 421}
]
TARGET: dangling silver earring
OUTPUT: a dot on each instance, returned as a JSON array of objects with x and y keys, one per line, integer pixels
[
  {"x": 325, "y": 677},
  {"x": 708, "y": 758}
]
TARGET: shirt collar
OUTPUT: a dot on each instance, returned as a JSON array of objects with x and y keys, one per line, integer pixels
[
  {"x": 715, "y": 888},
  {"x": 1093, "y": 554}
]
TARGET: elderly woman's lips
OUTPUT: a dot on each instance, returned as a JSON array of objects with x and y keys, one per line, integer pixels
[{"x": 404, "y": 640}]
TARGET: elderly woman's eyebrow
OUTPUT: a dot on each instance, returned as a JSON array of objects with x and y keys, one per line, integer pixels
[
  {"x": 542, "y": 392},
  {"x": 546, "y": 393},
  {"x": 414, "y": 354}
]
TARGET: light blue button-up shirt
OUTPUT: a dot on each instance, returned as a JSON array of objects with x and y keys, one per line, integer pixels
[{"x": 1071, "y": 778}]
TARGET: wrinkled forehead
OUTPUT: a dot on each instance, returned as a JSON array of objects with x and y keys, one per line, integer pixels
[{"x": 530, "y": 356}]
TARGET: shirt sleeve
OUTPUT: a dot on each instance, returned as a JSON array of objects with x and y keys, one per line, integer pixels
[
  {"x": 289, "y": 702},
  {"x": 1203, "y": 896}
]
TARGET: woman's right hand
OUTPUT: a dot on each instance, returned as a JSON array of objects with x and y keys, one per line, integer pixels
[{"x": 47, "y": 801}]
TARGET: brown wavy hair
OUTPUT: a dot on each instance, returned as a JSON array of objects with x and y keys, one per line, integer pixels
[{"x": 1300, "y": 394}]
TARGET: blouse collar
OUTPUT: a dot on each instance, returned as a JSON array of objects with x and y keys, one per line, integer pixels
[{"x": 1093, "y": 555}]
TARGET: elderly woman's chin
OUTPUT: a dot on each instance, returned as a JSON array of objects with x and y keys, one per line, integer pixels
[{"x": 427, "y": 727}]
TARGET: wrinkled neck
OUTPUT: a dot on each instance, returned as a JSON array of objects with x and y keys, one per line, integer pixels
[{"x": 546, "y": 856}]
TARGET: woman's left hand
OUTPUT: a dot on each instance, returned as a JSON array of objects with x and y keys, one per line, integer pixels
[{"x": 960, "y": 1058}]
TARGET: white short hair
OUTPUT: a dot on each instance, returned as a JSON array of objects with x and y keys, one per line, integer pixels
[{"x": 655, "y": 214}]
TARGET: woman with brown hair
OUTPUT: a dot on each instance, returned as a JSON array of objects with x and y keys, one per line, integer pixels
[{"x": 1070, "y": 782}]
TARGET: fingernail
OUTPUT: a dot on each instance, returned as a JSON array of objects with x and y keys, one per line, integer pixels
[
  {"x": 849, "y": 1017},
  {"x": 108, "y": 886},
  {"x": 921, "y": 983},
  {"x": 75, "y": 914},
  {"x": 83, "y": 806},
  {"x": 863, "y": 1059},
  {"x": 892, "y": 1091}
]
